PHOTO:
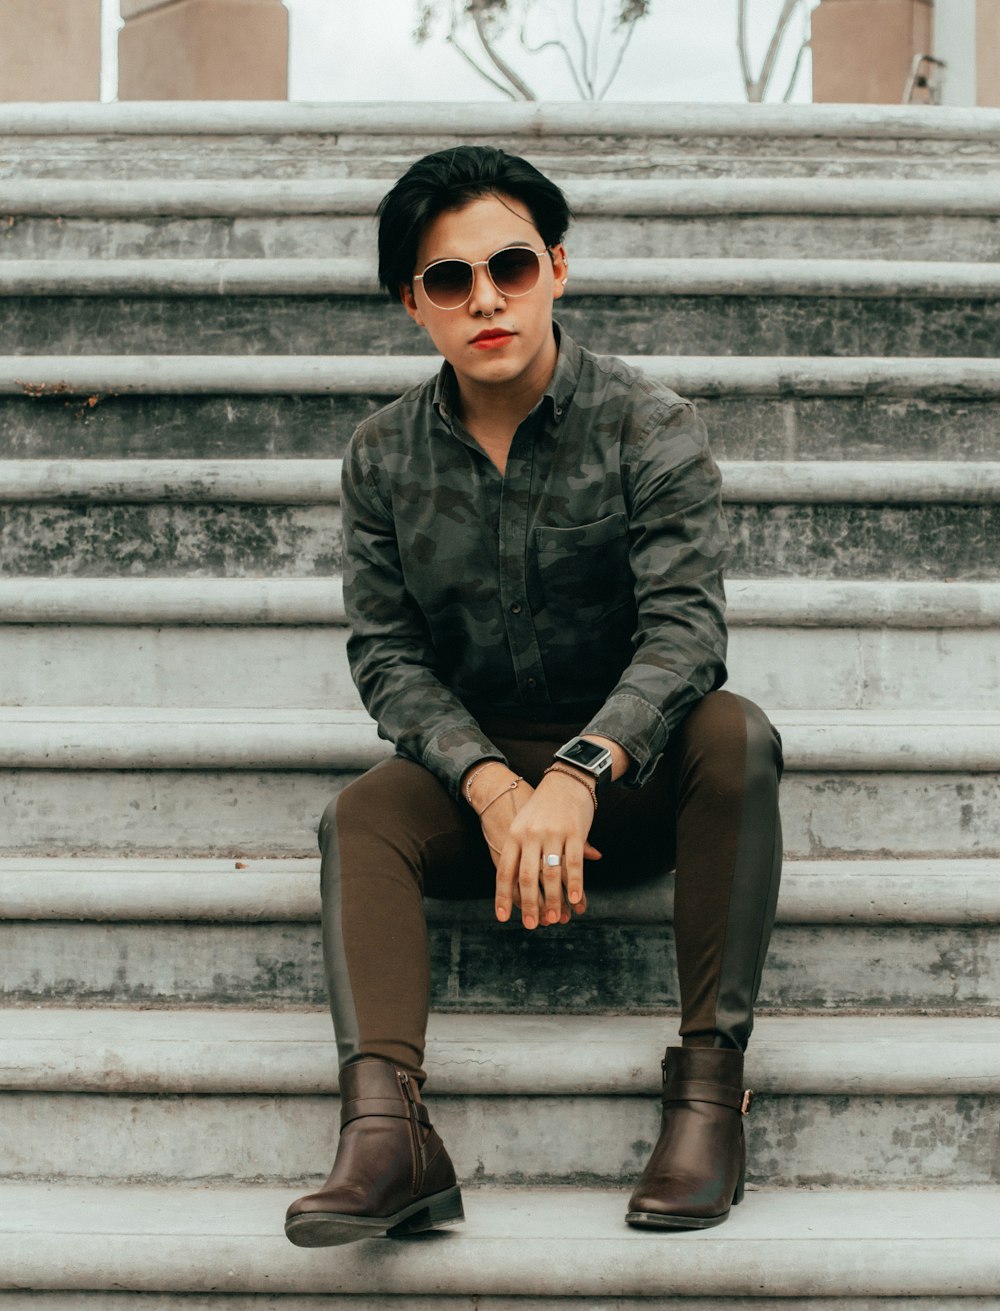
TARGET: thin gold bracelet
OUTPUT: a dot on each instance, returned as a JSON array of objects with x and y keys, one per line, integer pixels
[{"x": 502, "y": 793}]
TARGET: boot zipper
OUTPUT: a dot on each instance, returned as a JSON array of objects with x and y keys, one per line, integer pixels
[{"x": 415, "y": 1134}]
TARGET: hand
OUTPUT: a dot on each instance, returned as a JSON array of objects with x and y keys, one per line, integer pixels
[{"x": 556, "y": 818}]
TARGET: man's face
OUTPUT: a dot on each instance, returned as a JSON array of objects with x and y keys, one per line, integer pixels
[{"x": 520, "y": 344}]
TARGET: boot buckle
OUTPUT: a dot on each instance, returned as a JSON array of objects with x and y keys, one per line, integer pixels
[{"x": 747, "y": 1102}]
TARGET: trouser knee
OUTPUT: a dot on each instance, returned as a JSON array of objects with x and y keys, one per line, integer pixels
[{"x": 731, "y": 744}]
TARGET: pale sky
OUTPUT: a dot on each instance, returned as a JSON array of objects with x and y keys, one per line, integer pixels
[{"x": 364, "y": 50}]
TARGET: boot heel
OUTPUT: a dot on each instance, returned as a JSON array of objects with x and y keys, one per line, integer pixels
[
  {"x": 738, "y": 1195},
  {"x": 441, "y": 1209}
]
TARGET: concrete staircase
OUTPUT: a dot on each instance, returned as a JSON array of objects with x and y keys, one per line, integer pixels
[{"x": 190, "y": 330}]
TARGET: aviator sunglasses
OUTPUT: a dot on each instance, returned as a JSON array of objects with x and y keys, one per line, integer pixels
[{"x": 513, "y": 271}]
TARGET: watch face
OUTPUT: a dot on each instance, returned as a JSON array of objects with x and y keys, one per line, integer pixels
[{"x": 582, "y": 752}]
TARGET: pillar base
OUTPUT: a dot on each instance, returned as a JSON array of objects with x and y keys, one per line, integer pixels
[
  {"x": 862, "y": 50},
  {"x": 203, "y": 50},
  {"x": 50, "y": 49}
]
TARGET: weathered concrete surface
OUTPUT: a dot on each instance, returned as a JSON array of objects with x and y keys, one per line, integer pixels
[
  {"x": 913, "y": 741},
  {"x": 479, "y": 966},
  {"x": 318, "y": 481},
  {"x": 917, "y": 542},
  {"x": 365, "y": 140},
  {"x": 342, "y": 324},
  {"x": 739, "y": 236},
  {"x": 883, "y": 604},
  {"x": 289, "y": 667},
  {"x": 169, "y": 540},
  {"x": 209, "y": 812},
  {"x": 291, "y": 1053},
  {"x": 840, "y": 1142},
  {"x": 320, "y": 426},
  {"x": 119, "y": 1301},
  {"x": 783, "y": 1243},
  {"x": 181, "y": 890}
]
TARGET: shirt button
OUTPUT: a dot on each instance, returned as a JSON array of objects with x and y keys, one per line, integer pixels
[
  {"x": 532, "y": 682},
  {"x": 515, "y": 609}
]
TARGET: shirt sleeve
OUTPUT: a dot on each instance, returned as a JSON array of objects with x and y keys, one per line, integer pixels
[
  {"x": 389, "y": 649},
  {"x": 678, "y": 547}
]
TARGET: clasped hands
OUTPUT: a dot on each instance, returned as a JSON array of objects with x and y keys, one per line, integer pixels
[{"x": 523, "y": 825}]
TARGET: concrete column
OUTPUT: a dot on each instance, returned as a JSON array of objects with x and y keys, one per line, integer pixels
[
  {"x": 203, "y": 50},
  {"x": 862, "y": 49},
  {"x": 988, "y": 52},
  {"x": 50, "y": 49}
]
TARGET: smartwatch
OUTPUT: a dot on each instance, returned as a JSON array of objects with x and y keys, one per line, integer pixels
[{"x": 592, "y": 759}]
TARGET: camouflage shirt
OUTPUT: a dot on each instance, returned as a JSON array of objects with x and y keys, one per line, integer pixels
[{"x": 582, "y": 585}]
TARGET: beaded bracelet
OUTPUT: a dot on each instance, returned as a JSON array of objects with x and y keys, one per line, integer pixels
[{"x": 571, "y": 773}]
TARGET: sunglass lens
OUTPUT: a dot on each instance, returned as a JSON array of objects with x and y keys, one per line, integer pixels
[
  {"x": 514, "y": 271},
  {"x": 449, "y": 283}
]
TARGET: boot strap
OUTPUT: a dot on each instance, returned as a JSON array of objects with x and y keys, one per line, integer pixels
[
  {"x": 698, "y": 1090},
  {"x": 394, "y": 1107}
]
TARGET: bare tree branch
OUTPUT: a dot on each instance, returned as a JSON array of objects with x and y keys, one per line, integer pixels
[
  {"x": 562, "y": 47},
  {"x": 756, "y": 88},
  {"x": 584, "y": 49},
  {"x": 491, "y": 19},
  {"x": 452, "y": 41},
  {"x": 806, "y": 44},
  {"x": 741, "y": 43},
  {"x": 596, "y": 47},
  {"x": 618, "y": 61},
  {"x": 787, "y": 12},
  {"x": 505, "y": 70}
]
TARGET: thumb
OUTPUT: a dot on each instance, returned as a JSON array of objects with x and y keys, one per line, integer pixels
[{"x": 590, "y": 852}]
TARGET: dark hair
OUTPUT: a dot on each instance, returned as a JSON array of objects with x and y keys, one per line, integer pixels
[{"x": 447, "y": 180}]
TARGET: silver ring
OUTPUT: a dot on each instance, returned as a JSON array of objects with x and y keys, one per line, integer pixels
[{"x": 553, "y": 860}]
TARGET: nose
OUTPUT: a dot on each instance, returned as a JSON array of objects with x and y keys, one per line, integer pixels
[{"x": 485, "y": 298}]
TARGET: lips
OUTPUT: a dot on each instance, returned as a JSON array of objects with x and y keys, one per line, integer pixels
[{"x": 491, "y": 337}]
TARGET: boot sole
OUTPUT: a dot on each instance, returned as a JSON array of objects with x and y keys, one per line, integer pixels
[
  {"x": 650, "y": 1220},
  {"x": 333, "y": 1229}
]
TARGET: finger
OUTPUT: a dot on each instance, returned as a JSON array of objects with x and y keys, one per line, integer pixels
[
  {"x": 552, "y": 880},
  {"x": 527, "y": 879},
  {"x": 573, "y": 870},
  {"x": 590, "y": 852},
  {"x": 506, "y": 875}
]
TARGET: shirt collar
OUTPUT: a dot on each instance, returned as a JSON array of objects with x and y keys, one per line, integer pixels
[{"x": 556, "y": 397}]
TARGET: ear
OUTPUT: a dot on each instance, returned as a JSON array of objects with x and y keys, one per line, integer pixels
[
  {"x": 409, "y": 304},
  {"x": 560, "y": 270}
]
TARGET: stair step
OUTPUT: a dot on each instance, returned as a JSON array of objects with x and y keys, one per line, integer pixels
[
  {"x": 201, "y": 659},
  {"x": 59, "y": 376},
  {"x": 537, "y": 1247},
  {"x": 268, "y": 812},
  {"x": 761, "y": 603},
  {"x": 317, "y": 481},
  {"x": 858, "y": 1097},
  {"x": 916, "y": 541},
  {"x": 900, "y": 936},
  {"x": 319, "y": 140},
  {"x": 133, "y": 889},
  {"x": 725, "y": 307},
  {"x": 274, "y": 218},
  {"x": 104, "y": 737}
]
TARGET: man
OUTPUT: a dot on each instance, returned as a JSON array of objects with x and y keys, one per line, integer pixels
[{"x": 533, "y": 550}]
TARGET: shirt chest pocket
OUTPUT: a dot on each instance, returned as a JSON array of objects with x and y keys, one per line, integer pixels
[{"x": 584, "y": 571}]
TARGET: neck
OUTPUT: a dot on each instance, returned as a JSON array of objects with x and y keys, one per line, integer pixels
[{"x": 503, "y": 406}]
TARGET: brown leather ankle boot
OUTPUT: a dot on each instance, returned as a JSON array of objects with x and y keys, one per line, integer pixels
[
  {"x": 392, "y": 1174},
  {"x": 698, "y": 1165}
]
